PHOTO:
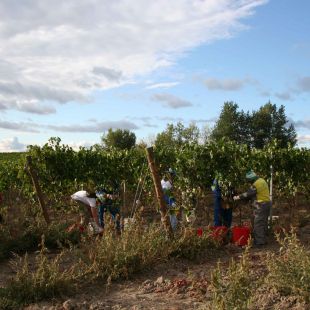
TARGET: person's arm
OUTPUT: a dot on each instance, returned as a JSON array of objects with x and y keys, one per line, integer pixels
[{"x": 250, "y": 194}]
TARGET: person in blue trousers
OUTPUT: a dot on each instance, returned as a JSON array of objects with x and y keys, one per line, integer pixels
[
  {"x": 222, "y": 216},
  {"x": 167, "y": 186},
  {"x": 108, "y": 202}
]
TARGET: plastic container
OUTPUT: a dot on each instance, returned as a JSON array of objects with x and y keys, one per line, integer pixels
[
  {"x": 219, "y": 232},
  {"x": 241, "y": 235},
  {"x": 199, "y": 231}
]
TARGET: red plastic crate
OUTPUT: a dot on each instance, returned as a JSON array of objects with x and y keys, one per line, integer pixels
[{"x": 241, "y": 235}]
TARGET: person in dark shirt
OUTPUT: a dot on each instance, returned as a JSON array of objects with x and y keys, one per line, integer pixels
[{"x": 222, "y": 216}]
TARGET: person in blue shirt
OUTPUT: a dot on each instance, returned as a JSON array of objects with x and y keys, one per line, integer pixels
[{"x": 222, "y": 216}]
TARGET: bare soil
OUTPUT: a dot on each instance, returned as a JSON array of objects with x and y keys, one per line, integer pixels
[{"x": 173, "y": 285}]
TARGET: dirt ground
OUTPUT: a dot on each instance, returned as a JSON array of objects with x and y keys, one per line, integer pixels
[{"x": 173, "y": 285}]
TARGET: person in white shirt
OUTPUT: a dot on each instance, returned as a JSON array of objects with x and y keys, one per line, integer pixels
[
  {"x": 88, "y": 201},
  {"x": 167, "y": 186}
]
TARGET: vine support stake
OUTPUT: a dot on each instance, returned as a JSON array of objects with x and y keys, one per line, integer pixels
[
  {"x": 159, "y": 192},
  {"x": 37, "y": 188},
  {"x": 271, "y": 196}
]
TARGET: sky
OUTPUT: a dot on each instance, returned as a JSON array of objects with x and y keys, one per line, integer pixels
[{"x": 73, "y": 69}]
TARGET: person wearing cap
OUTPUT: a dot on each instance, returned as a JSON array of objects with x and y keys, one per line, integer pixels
[
  {"x": 259, "y": 192},
  {"x": 88, "y": 201},
  {"x": 167, "y": 186}
]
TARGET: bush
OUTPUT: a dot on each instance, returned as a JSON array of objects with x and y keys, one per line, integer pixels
[
  {"x": 187, "y": 244},
  {"x": 234, "y": 288},
  {"x": 55, "y": 236},
  {"x": 138, "y": 248},
  {"x": 112, "y": 257},
  {"x": 289, "y": 270},
  {"x": 46, "y": 280}
]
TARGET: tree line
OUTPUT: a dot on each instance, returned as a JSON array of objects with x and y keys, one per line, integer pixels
[{"x": 255, "y": 129}]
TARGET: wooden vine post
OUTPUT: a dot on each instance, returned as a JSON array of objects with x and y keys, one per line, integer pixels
[
  {"x": 37, "y": 188},
  {"x": 159, "y": 192}
]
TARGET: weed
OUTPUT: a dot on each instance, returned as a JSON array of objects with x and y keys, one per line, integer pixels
[
  {"x": 187, "y": 244},
  {"x": 112, "y": 256},
  {"x": 289, "y": 270},
  {"x": 28, "y": 239},
  {"x": 45, "y": 280},
  {"x": 232, "y": 289}
]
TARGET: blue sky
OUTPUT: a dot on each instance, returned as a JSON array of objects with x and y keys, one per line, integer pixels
[{"x": 75, "y": 68}]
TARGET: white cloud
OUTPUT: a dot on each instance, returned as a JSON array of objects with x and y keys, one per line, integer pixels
[
  {"x": 226, "y": 84},
  {"x": 303, "y": 139},
  {"x": 19, "y": 126},
  {"x": 171, "y": 101},
  {"x": 63, "y": 50},
  {"x": 284, "y": 96},
  {"x": 302, "y": 123},
  {"x": 12, "y": 145},
  {"x": 304, "y": 84},
  {"x": 162, "y": 85},
  {"x": 96, "y": 127}
]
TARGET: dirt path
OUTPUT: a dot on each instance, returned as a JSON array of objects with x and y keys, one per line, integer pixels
[{"x": 174, "y": 285}]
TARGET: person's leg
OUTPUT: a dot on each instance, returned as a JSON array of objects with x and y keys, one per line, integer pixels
[
  {"x": 173, "y": 214},
  {"x": 217, "y": 212},
  {"x": 94, "y": 212},
  {"x": 227, "y": 217},
  {"x": 260, "y": 220},
  {"x": 267, "y": 207},
  {"x": 173, "y": 221},
  {"x": 101, "y": 215},
  {"x": 115, "y": 214},
  {"x": 86, "y": 212}
]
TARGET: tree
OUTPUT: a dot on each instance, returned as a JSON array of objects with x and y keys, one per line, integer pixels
[
  {"x": 119, "y": 139},
  {"x": 232, "y": 124},
  {"x": 177, "y": 135},
  {"x": 270, "y": 123},
  {"x": 256, "y": 129}
]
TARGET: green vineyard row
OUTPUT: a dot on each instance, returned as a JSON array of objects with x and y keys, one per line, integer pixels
[{"x": 61, "y": 169}]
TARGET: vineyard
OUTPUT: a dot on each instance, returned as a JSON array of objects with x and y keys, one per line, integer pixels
[{"x": 64, "y": 259}]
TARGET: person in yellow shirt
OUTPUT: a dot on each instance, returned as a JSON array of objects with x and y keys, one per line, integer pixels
[{"x": 259, "y": 193}]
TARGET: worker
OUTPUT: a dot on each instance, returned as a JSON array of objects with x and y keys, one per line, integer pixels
[
  {"x": 88, "y": 202},
  {"x": 108, "y": 201},
  {"x": 222, "y": 215},
  {"x": 259, "y": 193},
  {"x": 167, "y": 186}
]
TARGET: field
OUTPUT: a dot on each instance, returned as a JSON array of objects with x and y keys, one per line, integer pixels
[{"x": 143, "y": 268}]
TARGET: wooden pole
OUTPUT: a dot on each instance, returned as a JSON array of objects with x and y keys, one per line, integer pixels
[
  {"x": 37, "y": 188},
  {"x": 159, "y": 192},
  {"x": 271, "y": 196}
]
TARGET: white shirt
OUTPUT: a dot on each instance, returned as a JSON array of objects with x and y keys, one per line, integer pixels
[
  {"x": 82, "y": 197},
  {"x": 166, "y": 185}
]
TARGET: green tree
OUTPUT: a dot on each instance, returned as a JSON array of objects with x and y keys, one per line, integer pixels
[
  {"x": 256, "y": 129},
  {"x": 177, "y": 135},
  {"x": 119, "y": 139},
  {"x": 270, "y": 123},
  {"x": 232, "y": 124}
]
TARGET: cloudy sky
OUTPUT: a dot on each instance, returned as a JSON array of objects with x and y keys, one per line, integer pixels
[{"x": 73, "y": 69}]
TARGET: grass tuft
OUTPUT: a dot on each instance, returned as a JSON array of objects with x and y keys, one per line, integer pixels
[{"x": 289, "y": 270}]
